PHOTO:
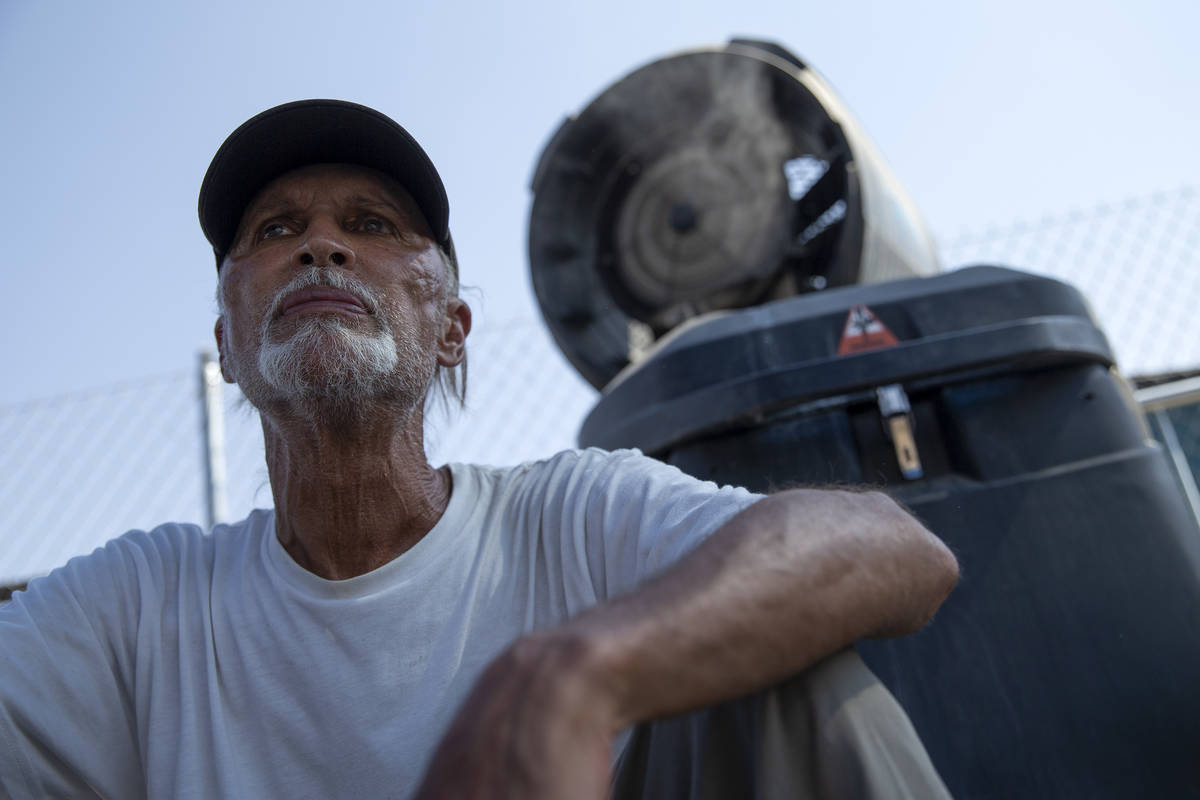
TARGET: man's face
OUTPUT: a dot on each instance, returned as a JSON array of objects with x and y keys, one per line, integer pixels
[{"x": 334, "y": 294}]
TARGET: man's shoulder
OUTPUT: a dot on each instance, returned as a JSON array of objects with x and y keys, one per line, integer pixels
[
  {"x": 164, "y": 550},
  {"x": 566, "y": 468},
  {"x": 183, "y": 539},
  {"x": 140, "y": 569},
  {"x": 581, "y": 477},
  {"x": 571, "y": 459}
]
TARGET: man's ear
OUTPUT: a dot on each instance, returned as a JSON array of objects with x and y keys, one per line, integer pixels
[
  {"x": 219, "y": 333},
  {"x": 456, "y": 325}
]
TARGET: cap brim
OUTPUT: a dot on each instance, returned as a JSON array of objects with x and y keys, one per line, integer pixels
[{"x": 306, "y": 132}]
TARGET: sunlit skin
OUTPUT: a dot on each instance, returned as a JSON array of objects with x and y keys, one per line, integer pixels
[{"x": 352, "y": 497}]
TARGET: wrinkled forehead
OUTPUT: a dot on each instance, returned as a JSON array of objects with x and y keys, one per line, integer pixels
[{"x": 340, "y": 184}]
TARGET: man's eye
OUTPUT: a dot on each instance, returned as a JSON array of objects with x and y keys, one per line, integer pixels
[
  {"x": 273, "y": 229},
  {"x": 373, "y": 225}
]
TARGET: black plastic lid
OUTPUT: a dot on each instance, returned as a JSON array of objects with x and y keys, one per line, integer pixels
[{"x": 739, "y": 365}]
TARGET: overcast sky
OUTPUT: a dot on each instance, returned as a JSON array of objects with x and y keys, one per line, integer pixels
[{"x": 987, "y": 112}]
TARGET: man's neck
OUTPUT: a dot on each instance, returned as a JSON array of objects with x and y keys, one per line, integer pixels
[{"x": 349, "y": 500}]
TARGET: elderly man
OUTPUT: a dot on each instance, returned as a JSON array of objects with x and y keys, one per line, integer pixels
[{"x": 392, "y": 627}]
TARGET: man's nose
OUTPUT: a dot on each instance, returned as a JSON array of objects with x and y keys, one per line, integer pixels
[{"x": 322, "y": 245}]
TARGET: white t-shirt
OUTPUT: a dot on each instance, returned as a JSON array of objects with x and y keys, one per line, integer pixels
[{"x": 176, "y": 663}]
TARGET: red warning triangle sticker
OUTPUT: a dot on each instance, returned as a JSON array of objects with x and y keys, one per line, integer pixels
[{"x": 863, "y": 332}]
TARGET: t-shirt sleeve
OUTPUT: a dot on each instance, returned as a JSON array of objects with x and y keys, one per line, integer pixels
[
  {"x": 66, "y": 719},
  {"x": 640, "y": 515}
]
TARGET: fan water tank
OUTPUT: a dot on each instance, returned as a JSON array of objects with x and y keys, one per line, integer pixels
[{"x": 717, "y": 247}]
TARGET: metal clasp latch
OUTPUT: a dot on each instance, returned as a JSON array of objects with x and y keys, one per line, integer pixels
[{"x": 897, "y": 417}]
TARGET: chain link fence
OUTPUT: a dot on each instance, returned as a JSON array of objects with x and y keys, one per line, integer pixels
[
  {"x": 1136, "y": 261},
  {"x": 85, "y": 467},
  {"x": 81, "y": 468}
]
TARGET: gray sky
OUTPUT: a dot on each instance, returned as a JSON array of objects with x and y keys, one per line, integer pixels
[{"x": 988, "y": 113}]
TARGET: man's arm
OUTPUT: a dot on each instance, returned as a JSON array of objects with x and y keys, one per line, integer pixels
[
  {"x": 792, "y": 579},
  {"x": 67, "y": 724}
]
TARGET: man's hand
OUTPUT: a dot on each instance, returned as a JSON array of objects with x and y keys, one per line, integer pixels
[
  {"x": 791, "y": 580},
  {"x": 538, "y": 724}
]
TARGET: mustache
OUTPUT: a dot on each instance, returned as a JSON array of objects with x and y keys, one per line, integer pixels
[{"x": 323, "y": 276}]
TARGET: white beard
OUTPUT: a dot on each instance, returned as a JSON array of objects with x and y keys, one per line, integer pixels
[
  {"x": 324, "y": 357},
  {"x": 329, "y": 370}
]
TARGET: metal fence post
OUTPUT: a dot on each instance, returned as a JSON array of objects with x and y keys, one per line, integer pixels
[{"x": 212, "y": 408}]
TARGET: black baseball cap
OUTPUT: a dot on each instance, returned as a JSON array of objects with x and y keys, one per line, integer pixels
[{"x": 305, "y": 132}]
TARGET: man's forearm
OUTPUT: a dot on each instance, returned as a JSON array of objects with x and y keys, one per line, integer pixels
[{"x": 792, "y": 579}]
